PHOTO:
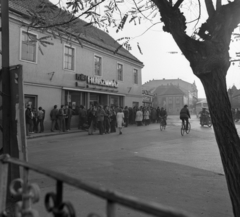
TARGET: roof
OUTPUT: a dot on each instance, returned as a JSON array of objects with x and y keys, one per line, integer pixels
[
  {"x": 89, "y": 34},
  {"x": 169, "y": 90},
  {"x": 183, "y": 85}
]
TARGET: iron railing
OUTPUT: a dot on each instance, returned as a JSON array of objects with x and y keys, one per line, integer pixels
[{"x": 30, "y": 193}]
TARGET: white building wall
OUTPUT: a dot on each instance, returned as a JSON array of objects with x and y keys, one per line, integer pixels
[{"x": 46, "y": 78}]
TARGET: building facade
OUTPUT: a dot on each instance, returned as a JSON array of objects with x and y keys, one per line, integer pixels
[
  {"x": 170, "y": 97},
  {"x": 70, "y": 73},
  {"x": 172, "y": 94}
]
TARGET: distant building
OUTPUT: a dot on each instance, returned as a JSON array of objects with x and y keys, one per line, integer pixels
[
  {"x": 172, "y": 94},
  {"x": 234, "y": 96}
]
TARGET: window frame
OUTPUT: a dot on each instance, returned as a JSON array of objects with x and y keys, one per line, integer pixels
[
  {"x": 135, "y": 70},
  {"x": 101, "y": 67},
  {"x": 20, "y": 50},
  {"x": 118, "y": 63},
  {"x": 74, "y": 57}
]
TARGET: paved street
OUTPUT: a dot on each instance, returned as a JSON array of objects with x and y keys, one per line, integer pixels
[{"x": 163, "y": 167}]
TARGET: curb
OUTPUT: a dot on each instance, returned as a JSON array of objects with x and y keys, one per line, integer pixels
[{"x": 53, "y": 134}]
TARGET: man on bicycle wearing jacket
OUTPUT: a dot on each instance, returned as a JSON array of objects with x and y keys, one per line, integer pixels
[
  {"x": 185, "y": 115},
  {"x": 163, "y": 115}
]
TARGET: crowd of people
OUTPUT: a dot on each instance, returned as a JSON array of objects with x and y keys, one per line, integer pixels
[
  {"x": 34, "y": 120},
  {"x": 107, "y": 119},
  {"x": 97, "y": 118}
]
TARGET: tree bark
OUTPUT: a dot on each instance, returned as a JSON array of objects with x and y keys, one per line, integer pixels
[{"x": 225, "y": 131}]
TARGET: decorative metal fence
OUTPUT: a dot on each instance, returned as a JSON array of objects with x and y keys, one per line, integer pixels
[{"x": 30, "y": 193}]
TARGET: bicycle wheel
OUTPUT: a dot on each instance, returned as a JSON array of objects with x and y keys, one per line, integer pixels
[
  {"x": 189, "y": 128},
  {"x": 182, "y": 130}
]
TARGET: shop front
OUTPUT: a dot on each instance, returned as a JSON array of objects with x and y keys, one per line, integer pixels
[{"x": 86, "y": 97}]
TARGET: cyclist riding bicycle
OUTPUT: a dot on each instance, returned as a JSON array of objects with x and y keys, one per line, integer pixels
[
  {"x": 185, "y": 115},
  {"x": 163, "y": 115}
]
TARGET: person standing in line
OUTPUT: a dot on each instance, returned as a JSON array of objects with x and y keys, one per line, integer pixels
[
  {"x": 126, "y": 116},
  {"x": 146, "y": 116},
  {"x": 139, "y": 117},
  {"x": 82, "y": 118},
  {"x": 130, "y": 116},
  {"x": 69, "y": 114},
  {"x": 66, "y": 116},
  {"x": 92, "y": 119},
  {"x": 106, "y": 120},
  {"x": 53, "y": 115},
  {"x": 120, "y": 120},
  {"x": 61, "y": 119},
  {"x": 113, "y": 120},
  {"x": 40, "y": 116},
  {"x": 100, "y": 119},
  {"x": 34, "y": 121},
  {"x": 28, "y": 117}
]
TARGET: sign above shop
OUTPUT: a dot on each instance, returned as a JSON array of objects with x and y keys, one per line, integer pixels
[{"x": 96, "y": 80}]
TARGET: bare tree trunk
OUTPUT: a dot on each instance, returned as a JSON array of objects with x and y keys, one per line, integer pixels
[{"x": 225, "y": 132}]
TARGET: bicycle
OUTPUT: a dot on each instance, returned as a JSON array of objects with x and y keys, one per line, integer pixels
[
  {"x": 184, "y": 130},
  {"x": 162, "y": 124}
]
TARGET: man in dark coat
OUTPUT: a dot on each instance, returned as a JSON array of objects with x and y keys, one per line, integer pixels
[
  {"x": 185, "y": 115},
  {"x": 28, "y": 116},
  {"x": 126, "y": 116},
  {"x": 53, "y": 115}
]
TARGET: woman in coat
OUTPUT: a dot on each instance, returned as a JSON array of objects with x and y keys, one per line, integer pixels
[
  {"x": 146, "y": 116},
  {"x": 139, "y": 117},
  {"x": 120, "y": 120}
]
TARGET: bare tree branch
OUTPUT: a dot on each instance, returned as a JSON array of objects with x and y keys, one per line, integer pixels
[
  {"x": 218, "y": 4},
  {"x": 210, "y": 7},
  {"x": 178, "y": 3}
]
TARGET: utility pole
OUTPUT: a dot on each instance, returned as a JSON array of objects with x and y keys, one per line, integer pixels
[{"x": 10, "y": 145}]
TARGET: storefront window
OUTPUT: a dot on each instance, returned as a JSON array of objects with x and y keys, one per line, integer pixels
[
  {"x": 136, "y": 104},
  {"x": 121, "y": 101},
  {"x": 30, "y": 100},
  {"x": 75, "y": 99},
  {"x": 94, "y": 99},
  {"x": 113, "y": 100}
]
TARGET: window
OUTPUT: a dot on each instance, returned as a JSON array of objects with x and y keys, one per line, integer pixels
[
  {"x": 75, "y": 99},
  {"x": 135, "y": 104},
  {"x": 98, "y": 65},
  {"x": 114, "y": 100},
  {"x": 135, "y": 76},
  {"x": 29, "y": 47},
  {"x": 120, "y": 72},
  {"x": 69, "y": 55}
]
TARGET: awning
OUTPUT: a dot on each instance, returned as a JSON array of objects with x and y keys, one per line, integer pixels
[{"x": 93, "y": 91}]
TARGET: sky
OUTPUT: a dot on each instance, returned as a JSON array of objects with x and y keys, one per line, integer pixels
[
  {"x": 159, "y": 63},
  {"x": 156, "y": 46}
]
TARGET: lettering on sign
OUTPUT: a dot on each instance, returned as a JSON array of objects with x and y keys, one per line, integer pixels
[{"x": 96, "y": 80}]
